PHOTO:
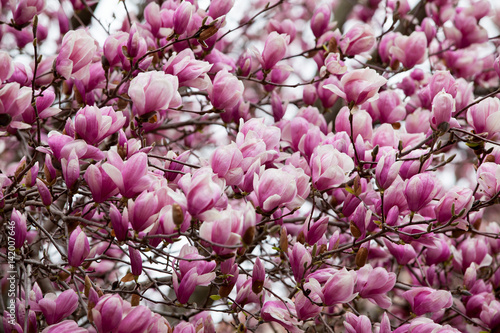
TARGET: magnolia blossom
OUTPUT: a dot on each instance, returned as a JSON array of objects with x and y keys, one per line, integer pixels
[
  {"x": 424, "y": 300},
  {"x": 76, "y": 53},
  {"x": 284, "y": 315},
  {"x": 329, "y": 167},
  {"x": 154, "y": 91},
  {"x": 225, "y": 91},
  {"x": 484, "y": 117},
  {"x": 274, "y": 49},
  {"x": 410, "y": 50},
  {"x": 55, "y": 308},
  {"x": 358, "y": 86}
]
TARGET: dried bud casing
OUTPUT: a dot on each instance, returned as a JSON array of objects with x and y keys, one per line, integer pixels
[
  {"x": 355, "y": 230},
  {"x": 301, "y": 238},
  {"x": 248, "y": 236},
  {"x": 361, "y": 257},
  {"x": 177, "y": 214},
  {"x": 134, "y": 301},
  {"x": 257, "y": 286},
  {"x": 284, "y": 239},
  {"x": 225, "y": 290},
  {"x": 88, "y": 285}
]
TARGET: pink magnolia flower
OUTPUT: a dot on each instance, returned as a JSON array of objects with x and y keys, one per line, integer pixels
[
  {"x": 174, "y": 166},
  {"x": 329, "y": 167},
  {"x": 358, "y": 86},
  {"x": 135, "y": 261},
  {"x": 313, "y": 116},
  {"x": 305, "y": 309},
  {"x": 443, "y": 106},
  {"x": 422, "y": 324},
  {"x": 189, "y": 71},
  {"x": 76, "y": 53},
  {"x": 320, "y": 20},
  {"x": 43, "y": 106},
  {"x": 78, "y": 247},
  {"x": 339, "y": 288},
  {"x": 471, "y": 250},
  {"x": 424, "y": 300},
  {"x": 484, "y": 117},
  {"x": 488, "y": 178},
  {"x": 112, "y": 48},
  {"x": 420, "y": 190},
  {"x": 107, "y": 313},
  {"x": 355, "y": 324},
  {"x": 130, "y": 176},
  {"x": 284, "y": 315},
  {"x": 19, "y": 228},
  {"x": 410, "y": 50},
  {"x": 26, "y": 10},
  {"x": 152, "y": 16},
  {"x": 374, "y": 284},
  {"x": 203, "y": 189},
  {"x": 491, "y": 314},
  {"x": 100, "y": 184},
  {"x": 136, "y": 43},
  {"x": 30, "y": 178},
  {"x": 412, "y": 166},
  {"x": 455, "y": 201},
  {"x": 6, "y": 66},
  {"x": 274, "y": 188},
  {"x": 154, "y": 91},
  {"x": 136, "y": 320},
  {"x": 55, "y": 308},
  {"x": 361, "y": 123},
  {"x": 182, "y": 16},
  {"x": 357, "y": 40},
  {"x": 387, "y": 169},
  {"x": 257, "y": 140},
  {"x": 258, "y": 276},
  {"x": 244, "y": 63},
  {"x": 226, "y": 163},
  {"x": 286, "y": 26},
  {"x": 245, "y": 294},
  {"x": 314, "y": 231},
  {"x": 384, "y": 47},
  {"x": 300, "y": 258},
  {"x": 191, "y": 274},
  {"x": 220, "y": 8},
  {"x": 14, "y": 100},
  {"x": 224, "y": 229},
  {"x": 71, "y": 170},
  {"x": 442, "y": 80},
  {"x": 94, "y": 124},
  {"x": 65, "y": 326},
  {"x": 274, "y": 50},
  {"x": 428, "y": 27},
  {"x": 404, "y": 253},
  {"x": 225, "y": 91},
  {"x": 465, "y": 31},
  {"x": 62, "y": 145},
  {"x": 44, "y": 192},
  {"x": 387, "y": 108},
  {"x": 277, "y": 106},
  {"x": 119, "y": 222},
  {"x": 438, "y": 254},
  {"x": 143, "y": 211}
]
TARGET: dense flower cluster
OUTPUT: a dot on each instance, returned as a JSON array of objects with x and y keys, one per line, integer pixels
[{"x": 228, "y": 165}]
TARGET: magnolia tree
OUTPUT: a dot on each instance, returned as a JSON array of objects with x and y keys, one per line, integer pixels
[{"x": 300, "y": 166}]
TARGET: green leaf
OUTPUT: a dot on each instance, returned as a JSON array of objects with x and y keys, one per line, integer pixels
[{"x": 215, "y": 297}]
